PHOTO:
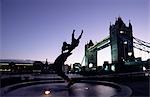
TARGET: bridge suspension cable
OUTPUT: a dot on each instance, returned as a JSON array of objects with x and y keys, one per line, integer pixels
[
  {"x": 141, "y": 41},
  {"x": 141, "y": 45},
  {"x": 82, "y": 60}
]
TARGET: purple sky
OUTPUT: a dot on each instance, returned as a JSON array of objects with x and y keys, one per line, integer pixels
[{"x": 35, "y": 29}]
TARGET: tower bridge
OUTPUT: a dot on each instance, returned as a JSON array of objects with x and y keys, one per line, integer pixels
[{"x": 122, "y": 43}]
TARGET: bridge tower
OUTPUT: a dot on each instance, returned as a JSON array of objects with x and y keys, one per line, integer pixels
[
  {"x": 121, "y": 41},
  {"x": 90, "y": 56}
]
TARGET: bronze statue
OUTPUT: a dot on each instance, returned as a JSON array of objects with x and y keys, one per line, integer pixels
[{"x": 66, "y": 52}]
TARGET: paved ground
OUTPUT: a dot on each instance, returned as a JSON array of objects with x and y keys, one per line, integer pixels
[
  {"x": 60, "y": 90},
  {"x": 139, "y": 85},
  {"x": 139, "y": 88}
]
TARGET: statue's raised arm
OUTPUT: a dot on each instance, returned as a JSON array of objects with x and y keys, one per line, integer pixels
[
  {"x": 80, "y": 35},
  {"x": 75, "y": 42},
  {"x": 73, "y": 38},
  {"x": 73, "y": 34}
]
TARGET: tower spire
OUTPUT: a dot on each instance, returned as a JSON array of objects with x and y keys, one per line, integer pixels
[
  {"x": 46, "y": 62},
  {"x": 130, "y": 26}
]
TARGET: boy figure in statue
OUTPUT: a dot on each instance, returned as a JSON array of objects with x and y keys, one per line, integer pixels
[{"x": 66, "y": 52}]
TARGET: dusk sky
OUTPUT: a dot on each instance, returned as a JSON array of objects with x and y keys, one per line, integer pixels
[{"x": 36, "y": 29}]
